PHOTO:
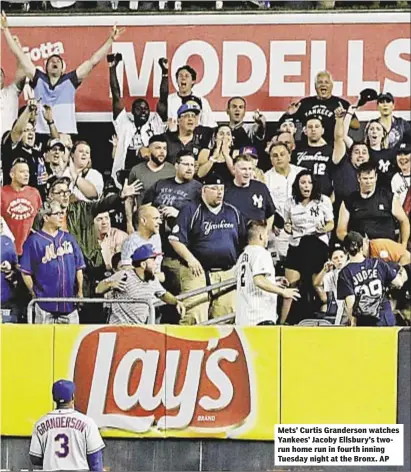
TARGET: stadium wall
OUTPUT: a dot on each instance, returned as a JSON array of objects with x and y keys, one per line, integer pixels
[{"x": 260, "y": 376}]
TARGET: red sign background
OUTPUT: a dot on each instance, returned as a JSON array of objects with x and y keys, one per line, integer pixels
[{"x": 383, "y": 47}]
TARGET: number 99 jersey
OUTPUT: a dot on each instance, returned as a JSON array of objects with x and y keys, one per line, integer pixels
[{"x": 64, "y": 438}]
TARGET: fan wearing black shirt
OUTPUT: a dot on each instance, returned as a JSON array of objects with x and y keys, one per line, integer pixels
[
  {"x": 317, "y": 155},
  {"x": 323, "y": 104},
  {"x": 372, "y": 210}
]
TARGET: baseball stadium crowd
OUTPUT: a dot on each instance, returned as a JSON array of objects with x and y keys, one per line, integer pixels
[
  {"x": 186, "y": 193},
  {"x": 135, "y": 5}
]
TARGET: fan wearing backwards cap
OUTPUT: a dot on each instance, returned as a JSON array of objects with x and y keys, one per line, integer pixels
[
  {"x": 363, "y": 284},
  {"x": 65, "y": 439}
]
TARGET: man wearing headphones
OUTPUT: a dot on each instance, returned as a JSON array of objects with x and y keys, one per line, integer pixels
[{"x": 55, "y": 87}]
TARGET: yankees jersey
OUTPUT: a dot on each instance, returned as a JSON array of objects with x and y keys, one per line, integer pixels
[
  {"x": 53, "y": 263},
  {"x": 64, "y": 438},
  {"x": 214, "y": 238},
  {"x": 369, "y": 279},
  {"x": 319, "y": 161},
  {"x": 254, "y": 201},
  {"x": 386, "y": 163},
  {"x": 254, "y": 305},
  {"x": 305, "y": 218}
]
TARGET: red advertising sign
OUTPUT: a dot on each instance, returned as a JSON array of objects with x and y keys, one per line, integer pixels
[{"x": 268, "y": 59}]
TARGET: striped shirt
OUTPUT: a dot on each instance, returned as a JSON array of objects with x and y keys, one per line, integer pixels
[
  {"x": 254, "y": 305},
  {"x": 133, "y": 313}
]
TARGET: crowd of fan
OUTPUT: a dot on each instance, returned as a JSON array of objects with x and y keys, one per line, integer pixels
[
  {"x": 135, "y": 5},
  {"x": 173, "y": 215}
]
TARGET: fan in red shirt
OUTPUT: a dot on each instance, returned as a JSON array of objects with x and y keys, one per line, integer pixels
[{"x": 19, "y": 203}]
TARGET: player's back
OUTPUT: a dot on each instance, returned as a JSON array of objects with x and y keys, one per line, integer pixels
[
  {"x": 64, "y": 438},
  {"x": 254, "y": 305}
]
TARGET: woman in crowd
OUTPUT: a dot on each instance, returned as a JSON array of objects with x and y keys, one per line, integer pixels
[
  {"x": 86, "y": 183},
  {"x": 221, "y": 155},
  {"x": 308, "y": 217}
]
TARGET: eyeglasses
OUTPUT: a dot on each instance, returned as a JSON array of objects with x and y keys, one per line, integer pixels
[{"x": 63, "y": 193}]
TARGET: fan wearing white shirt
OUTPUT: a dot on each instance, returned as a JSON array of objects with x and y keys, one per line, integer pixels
[
  {"x": 400, "y": 183},
  {"x": 279, "y": 181},
  {"x": 257, "y": 290},
  {"x": 9, "y": 99},
  {"x": 186, "y": 77},
  {"x": 86, "y": 183},
  {"x": 308, "y": 218},
  {"x": 134, "y": 133}
]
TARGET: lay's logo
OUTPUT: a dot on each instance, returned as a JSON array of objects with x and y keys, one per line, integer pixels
[{"x": 138, "y": 379}]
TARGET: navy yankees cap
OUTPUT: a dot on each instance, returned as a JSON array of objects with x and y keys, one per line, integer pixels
[
  {"x": 212, "y": 178},
  {"x": 385, "y": 96},
  {"x": 404, "y": 148},
  {"x": 144, "y": 252},
  {"x": 188, "y": 107},
  {"x": 63, "y": 391}
]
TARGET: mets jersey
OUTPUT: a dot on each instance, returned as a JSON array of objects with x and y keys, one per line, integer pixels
[
  {"x": 254, "y": 305},
  {"x": 64, "y": 438}
]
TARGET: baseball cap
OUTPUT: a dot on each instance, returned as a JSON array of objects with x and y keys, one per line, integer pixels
[
  {"x": 54, "y": 180},
  {"x": 249, "y": 151},
  {"x": 353, "y": 239},
  {"x": 63, "y": 391},
  {"x": 404, "y": 148},
  {"x": 367, "y": 95},
  {"x": 146, "y": 251},
  {"x": 55, "y": 142},
  {"x": 188, "y": 107},
  {"x": 212, "y": 179},
  {"x": 387, "y": 96},
  {"x": 312, "y": 117},
  {"x": 157, "y": 138}
]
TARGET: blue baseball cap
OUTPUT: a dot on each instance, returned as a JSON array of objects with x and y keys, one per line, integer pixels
[
  {"x": 63, "y": 391},
  {"x": 144, "y": 252},
  {"x": 188, "y": 107},
  {"x": 249, "y": 151}
]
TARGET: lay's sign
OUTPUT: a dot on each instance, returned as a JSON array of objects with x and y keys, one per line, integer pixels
[{"x": 175, "y": 381}]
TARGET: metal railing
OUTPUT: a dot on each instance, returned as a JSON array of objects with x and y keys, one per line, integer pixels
[
  {"x": 225, "y": 287},
  {"x": 152, "y": 312}
]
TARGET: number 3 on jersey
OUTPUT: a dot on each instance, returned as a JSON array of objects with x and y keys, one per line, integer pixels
[{"x": 63, "y": 443}]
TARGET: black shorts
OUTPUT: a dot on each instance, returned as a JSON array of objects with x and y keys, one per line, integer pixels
[{"x": 308, "y": 257}]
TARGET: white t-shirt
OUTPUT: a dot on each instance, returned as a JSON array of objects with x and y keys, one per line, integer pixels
[
  {"x": 206, "y": 117},
  {"x": 330, "y": 282},
  {"x": 305, "y": 219},
  {"x": 93, "y": 176},
  {"x": 129, "y": 136},
  {"x": 9, "y": 106},
  {"x": 400, "y": 185},
  {"x": 254, "y": 305},
  {"x": 64, "y": 438},
  {"x": 281, "y": 186}
]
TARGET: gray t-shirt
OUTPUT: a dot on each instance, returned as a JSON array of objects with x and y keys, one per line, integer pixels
[
  {"x": 134, "y": 241},
  {"x": 148, "y": 178},
  {"x": 133, "y": 313}
]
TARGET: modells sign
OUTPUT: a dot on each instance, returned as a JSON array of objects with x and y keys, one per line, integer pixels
[{"x": 142, "y": 379}]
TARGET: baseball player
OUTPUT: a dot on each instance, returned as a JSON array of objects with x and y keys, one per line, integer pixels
[
  {"x": 65, "y": 439},
  {"x": 257, "y": 290}
]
